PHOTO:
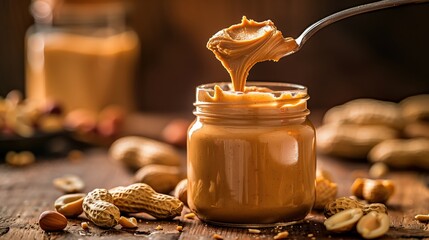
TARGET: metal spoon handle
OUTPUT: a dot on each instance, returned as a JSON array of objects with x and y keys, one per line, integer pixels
[{"x": 312, "y": 29}]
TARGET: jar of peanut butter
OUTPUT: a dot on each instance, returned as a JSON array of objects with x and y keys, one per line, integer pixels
[
  {"x": 81, "y": 54},
  {"x": 251, "y": 155}
]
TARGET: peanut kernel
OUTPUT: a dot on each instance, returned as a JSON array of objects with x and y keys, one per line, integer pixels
[
  {"x": 281, "y": 235},
  {"x": 190, "y": 216},
  {"x": 251, "y": 230},
  {"x": 422, "y": 217},
  {"x": 217, "y": 236}
]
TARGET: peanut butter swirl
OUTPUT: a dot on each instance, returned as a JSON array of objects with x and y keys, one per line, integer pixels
[{"x": 241, "y": 46}]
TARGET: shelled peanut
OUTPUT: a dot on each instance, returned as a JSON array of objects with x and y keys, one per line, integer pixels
[
  {"x": 369, "y": 226},
  {"x": 344, "y": 214},
  {"x": 344, "y": 203},
  {"x": 70, "y": 205},
  {"x": 373, "y": 191}
]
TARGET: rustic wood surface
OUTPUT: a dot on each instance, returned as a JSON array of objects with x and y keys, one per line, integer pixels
[{"x": 28, "y": 191}]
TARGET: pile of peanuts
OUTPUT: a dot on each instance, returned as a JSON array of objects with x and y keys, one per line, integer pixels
[
  {"x": 104, "y": 208},
  {"x": 396, "y": 134},
  {"x": 23, "y": 118},
  {"x": 158, "y": 164}
]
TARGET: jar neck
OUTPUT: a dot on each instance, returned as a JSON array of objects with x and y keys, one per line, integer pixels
[{"x": 278, "y": 102}]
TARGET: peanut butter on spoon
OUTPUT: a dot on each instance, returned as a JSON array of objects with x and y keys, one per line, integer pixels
[{"x": 241, "y": 46}]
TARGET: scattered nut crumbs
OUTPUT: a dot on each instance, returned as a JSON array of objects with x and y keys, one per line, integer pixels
[
  {"x": 310, "y": 235},
  {"x": 190, "y": 216},
  {"x": 84, "y": 225},
  {"x": 422, "y": 217},
  {"x": 159, "y": 227},
  {"x": 282, "y": 235},
  {"x": 251, "y": 230},
  {"x": 217, "y": 236},
  {"x": 179, "y": 228}
]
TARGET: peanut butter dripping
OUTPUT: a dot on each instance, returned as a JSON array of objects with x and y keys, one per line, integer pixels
[{"x": 241, "y": 46}]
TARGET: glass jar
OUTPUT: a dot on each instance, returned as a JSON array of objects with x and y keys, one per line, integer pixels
[
  {"x": 81, "y": 54},
  {"x": 251, "y": 161}
]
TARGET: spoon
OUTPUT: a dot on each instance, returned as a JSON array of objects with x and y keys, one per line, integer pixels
[{"x": 312, "y": 29}]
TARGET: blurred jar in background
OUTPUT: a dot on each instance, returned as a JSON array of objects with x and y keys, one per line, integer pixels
[{"x": 81, "y": 54}]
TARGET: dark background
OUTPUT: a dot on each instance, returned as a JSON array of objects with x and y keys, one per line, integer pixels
[{"x": 381, "y": 55}]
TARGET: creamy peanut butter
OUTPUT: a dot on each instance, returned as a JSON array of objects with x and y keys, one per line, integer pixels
[{"x": 241, "y": 46}]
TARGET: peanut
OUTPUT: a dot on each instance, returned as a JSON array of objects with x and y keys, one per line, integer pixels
[
  {"x": 140, "y": 197},
  {"x": 377, "y": 207},
  {"x": 161, "y": 178},
  {"x": 136, "y": 152},
  {"x": 252, "y": 230},
  {"x": 99, "y": 208},
  {"x": 326, "y": 191},
  {"x": 20, "y": 159},
  {"x": 357, "y": 187},
  {"x": 52, "y": 221},
  {"x": 377, "y": 191},
  {"x": 281, "y": 235},
  {"x": 70, "y": 205},
  {"x": 217, "y": 236},
  {"x": 351, "y": 141},
  {"x": 85, "y": 226},
  {"x": 417, "y": 129},
  {"x": 415, "y": 108},
  {"x": 365, "y": 112},
  {"x": 181, "y": 191},
  {"x": 344, "y": 203},
  {"x": 402, "y": 153},
  {"x": 373, "y": 225},
  {"x": 422, "y": 217},
  {"x": 69, "y": 184},
  {"x": 343, "y": 221},
  {"x": 128, "y": 222}
]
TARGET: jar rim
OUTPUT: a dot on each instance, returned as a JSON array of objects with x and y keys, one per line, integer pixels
[
  {"x": 296, "y": 91},
  {"x": 279, "y": 100}
]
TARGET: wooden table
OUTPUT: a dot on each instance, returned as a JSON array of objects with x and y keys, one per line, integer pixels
[{"x": 26, "y": 192}]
